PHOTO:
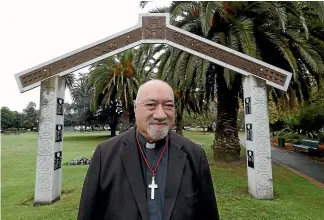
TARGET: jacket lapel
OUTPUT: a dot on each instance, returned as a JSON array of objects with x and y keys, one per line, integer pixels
[
  {"x": 177, "y": 160},
  {"x": 134, "y": 172}
]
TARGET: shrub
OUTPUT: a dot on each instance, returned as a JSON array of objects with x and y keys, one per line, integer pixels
[
  {"x": 307, "y": 123},
  {"x": 312, "y": 118},
  {"x": 293, "y": 138},
  {"x": 291, "y": 124}
]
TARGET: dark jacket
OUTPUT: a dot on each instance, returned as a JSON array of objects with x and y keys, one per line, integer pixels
[{"x": 114, "y": 186}]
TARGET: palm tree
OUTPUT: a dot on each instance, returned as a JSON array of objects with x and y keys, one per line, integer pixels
[
  {"x": 298, "y": 34},
  {"x": 283, "y": 34},
  {"x": 116, "y": 78},
  {"x": 119, "y": 77},
  {"x": 81, "y": 93},
  {"x": 184, "y": 72}
]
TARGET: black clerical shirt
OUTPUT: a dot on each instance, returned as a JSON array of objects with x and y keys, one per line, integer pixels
[{"x": 155, "y": 206}]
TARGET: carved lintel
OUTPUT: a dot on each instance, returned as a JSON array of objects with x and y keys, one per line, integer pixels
[
  {"x": 226, "y": 57},
  {"x": 81, "y": 57},
  {"x": 154, "y": 29}
]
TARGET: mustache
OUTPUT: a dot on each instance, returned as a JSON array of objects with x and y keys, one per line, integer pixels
[{"x": 158, "y": 121}]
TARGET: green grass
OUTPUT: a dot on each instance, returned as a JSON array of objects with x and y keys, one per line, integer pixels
[{"x": 295, "y": 197}]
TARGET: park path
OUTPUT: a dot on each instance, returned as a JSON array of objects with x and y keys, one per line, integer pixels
[{"x": 296, "y": 161}]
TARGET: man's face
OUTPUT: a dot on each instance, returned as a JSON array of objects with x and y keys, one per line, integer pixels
[{"x": 154, "y": 111}]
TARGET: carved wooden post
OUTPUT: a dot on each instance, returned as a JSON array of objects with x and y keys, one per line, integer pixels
[
  {"x": 257, "y": 138},
  {"x": 50, "y": 141}
]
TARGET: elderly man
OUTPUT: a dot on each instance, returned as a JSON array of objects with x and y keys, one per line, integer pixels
[{"x": 149, "y": 172}]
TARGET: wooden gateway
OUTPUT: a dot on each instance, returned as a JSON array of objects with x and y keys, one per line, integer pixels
[{"x": 151, "y": 28}]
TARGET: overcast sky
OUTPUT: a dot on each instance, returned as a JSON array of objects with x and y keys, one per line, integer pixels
[{"x": 35, "y": 31}]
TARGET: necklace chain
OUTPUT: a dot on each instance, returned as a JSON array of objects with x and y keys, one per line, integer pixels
[{"x": 148, "y": 165}]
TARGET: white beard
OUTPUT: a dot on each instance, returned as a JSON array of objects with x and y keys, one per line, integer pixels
[{"x": 157, "y": 133}]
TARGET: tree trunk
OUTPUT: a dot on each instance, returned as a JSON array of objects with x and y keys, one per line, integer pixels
[
  {"x": 226, "y": 143},
  {"x": 113, "y": 127},
  {"x": 125, "y": 120},
  {"x": 113, "y": 132},
  {"x": 113, "y": 122},
  {"x": 179, "y": 121}
]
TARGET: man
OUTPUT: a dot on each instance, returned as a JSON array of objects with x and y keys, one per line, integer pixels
[{"x": 149, "y": 172}]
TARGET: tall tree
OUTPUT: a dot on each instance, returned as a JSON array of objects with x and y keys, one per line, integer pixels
[
  {"x": 30, "y": 116},
  {"x": 184, "y": 72},
  {"x": 281, "y": 33},
  {"x": 81, "y": 93},
  {"x": 119, "y": 77},
  {"x": 18, "y": 120},
  {"x": 7, "y": 118}
]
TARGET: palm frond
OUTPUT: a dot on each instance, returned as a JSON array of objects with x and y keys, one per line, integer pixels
[
  {"x": 208, "y": 10},
  {"x": 282, "y": 43},
  {"x": 244, "y": 27},
  {"x": 69, "y": 80},
  {"x": 318, "y": 8},
  {"x": 308, "y": 54}
]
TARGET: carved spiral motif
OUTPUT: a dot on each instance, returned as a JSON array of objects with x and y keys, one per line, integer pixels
[
  {"x": 263, "y": 163},
  {"x": 259, "y": 94},
  {"x": 48, "y": 95},
  {"x": 260, "y": 111},
  {"x": 263, "y": 192},
  {"x": 46, "y": 130},
  {"x": 44, "y": 182},
  {"x": 264, "y": 181},
  {"x": 47, "y": 112},
  {"x": 156, "y": 23},
  {"x": 45, "y": 147},
  {"x": 45, "y": 163},
  {"x": 261, "y": 128},
  {"x": 262, "y": 146}
]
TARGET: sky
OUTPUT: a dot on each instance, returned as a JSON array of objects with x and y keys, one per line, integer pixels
[{"x": 35, "y": 31}]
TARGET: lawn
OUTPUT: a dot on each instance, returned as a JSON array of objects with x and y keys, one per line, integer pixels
[{"x": 295, "y": 197}]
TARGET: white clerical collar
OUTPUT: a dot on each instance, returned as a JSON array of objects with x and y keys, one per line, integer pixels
[{"x": 150, "y": 145}]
